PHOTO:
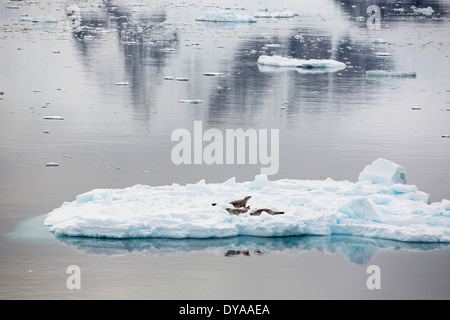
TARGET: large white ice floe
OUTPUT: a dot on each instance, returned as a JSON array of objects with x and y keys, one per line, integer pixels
[
  {"x": 279, "y": 61},
  {"x": 379, "y": 205},
  {"x": 226, "y": 16}
]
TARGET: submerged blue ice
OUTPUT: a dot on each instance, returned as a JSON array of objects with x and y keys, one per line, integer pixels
[{"x": 379, "y": 205}]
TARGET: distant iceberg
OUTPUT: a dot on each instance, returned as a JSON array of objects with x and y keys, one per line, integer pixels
[
  {"x": 278, "y": 61},
  {"x": 225, "y": 16},
  {"x": 380, "y": 205}
]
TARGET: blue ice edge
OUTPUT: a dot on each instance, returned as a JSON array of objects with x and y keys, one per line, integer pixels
[{"x": 380, "y": 205}]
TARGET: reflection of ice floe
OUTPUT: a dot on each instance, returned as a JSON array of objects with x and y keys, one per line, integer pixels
[
  {"x": 379, "y": 205},
  {"x": 390, "y": 74},
  {"x": 357, "y": 250},
  {"x": 225, "y": 16},
  {"x": 278, "y": 61}
]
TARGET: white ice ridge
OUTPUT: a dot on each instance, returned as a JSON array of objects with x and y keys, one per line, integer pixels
[
  {"x": 278, "y": 61},
  {"x": 379, "y": 205},
  {"x": 225, "y": 16}
]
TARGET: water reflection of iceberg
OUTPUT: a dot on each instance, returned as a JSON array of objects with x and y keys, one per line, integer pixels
[{"x": 356, "y": 250}]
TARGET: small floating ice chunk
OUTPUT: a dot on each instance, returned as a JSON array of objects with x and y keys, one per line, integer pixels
[
  {"x": 53, "y": 118},
  {"x": 194, "y": 101},
  {"x": 122, "y": 83},
  {"x": 426, "y": 11},
  {"x": 390, "y": 74},
  {"x": 383, "y": 171},
  {"x": 382, "y": 54},
  {"x": 446, "y": 136},
  {"x": 182, "y": 79},
  {"x": 213, "y": 74},
  {"x": 52, "y": 164},
  {"x": 168, "y": 78},
  {"x": 44, "y": 18},
  {"x": 378, "y": 41},
  {"x": 275, "y": 14},
  {"x": 278, "y": 61},
  {"x": 226, "y": 16}
]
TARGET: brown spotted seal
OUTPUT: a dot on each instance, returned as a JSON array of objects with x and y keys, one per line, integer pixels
[
  {"x": 241, "y": 203},
  {"x": 237, "y": 211},
  {"x": 269, "y": 211}
]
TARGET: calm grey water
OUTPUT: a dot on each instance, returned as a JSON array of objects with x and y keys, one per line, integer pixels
[{"x": 331, "y": 124}]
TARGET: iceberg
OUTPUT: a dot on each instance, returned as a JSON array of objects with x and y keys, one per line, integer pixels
[
  {"x": 225, "y": 16},
  {"x": 278, "y": 61},
  {"x": 379, "y": 205}
]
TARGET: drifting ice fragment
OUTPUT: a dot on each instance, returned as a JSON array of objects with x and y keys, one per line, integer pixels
[
  {"x": 390, "y": 74},
  {"x": 123, "y": 83},
  {"x": 426, "y": 11},
  {"x": 194, "y": 101},
  {"x": 52, "y": 164},
  {"x": 383, "y": 171},
  {"x": 44, "y": 18},
  {"x": 213, "y": 74},
  {"x": 225, "y": 16},
  {"x": 378, "y": 41},
  {"x": 382, "y": 54},
  {"x": 53, "y": 118},
  {"x": 278, "y": 61},
  {"x": 275, "y": 14}
]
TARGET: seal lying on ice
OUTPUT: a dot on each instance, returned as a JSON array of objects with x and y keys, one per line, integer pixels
[{"x": 240, "y": 206}]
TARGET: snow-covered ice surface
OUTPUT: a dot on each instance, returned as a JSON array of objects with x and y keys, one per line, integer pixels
[
  {"x": 278, "y": 61},
  {"x": 379, "y": 205}
]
